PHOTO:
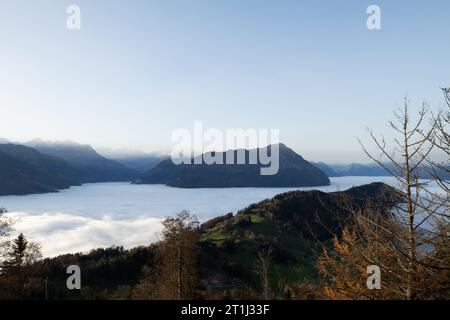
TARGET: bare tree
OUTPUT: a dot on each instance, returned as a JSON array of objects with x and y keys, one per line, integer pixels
[
  {"x": 174, "y": 271},
  {"x": 440, "y": 170},
  {"x": 5, "y": 231},
  {"x": 410, "y": 152},
  {"x": 409, "y": 242},
  {"x": 373, "y": 239},
  {"x": 421, "y": 210}
]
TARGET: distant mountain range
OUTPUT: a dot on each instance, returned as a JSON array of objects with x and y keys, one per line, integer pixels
[
  {"x": 139, "y": 161},
  {"x": 353, "y": 169},
  {"x": 142, "y": 164},
  {"x": 39, "y": 166},
  {"x": 294, "y": 171},
  {"x": 91, "y": 166},
  {"x": 358, "y": 169},
  {"x": 374, "y": 170},
  {"x": 330, "y": 172}
]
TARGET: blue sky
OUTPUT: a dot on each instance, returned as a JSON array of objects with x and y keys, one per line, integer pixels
[{"x": 137, "y": 70}]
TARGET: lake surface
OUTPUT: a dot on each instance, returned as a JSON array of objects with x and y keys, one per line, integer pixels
[{"x": 105, "y": 214}]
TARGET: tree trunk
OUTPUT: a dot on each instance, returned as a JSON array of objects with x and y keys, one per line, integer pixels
[{"x": 410, "y": 212}]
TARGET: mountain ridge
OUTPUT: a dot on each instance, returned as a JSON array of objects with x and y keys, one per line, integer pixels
[
  {"x": 24, "y": 170},
  {"x": 91, "y": 166},
  {"x": 294, "y": 171}
]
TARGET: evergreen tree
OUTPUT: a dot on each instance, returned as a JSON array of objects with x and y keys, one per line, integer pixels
[
  {"x": 16, "y": 271},
  {"x": 18, "y": 249}
]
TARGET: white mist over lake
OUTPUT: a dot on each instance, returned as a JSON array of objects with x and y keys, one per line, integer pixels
[{"x": 106, "y": 214}]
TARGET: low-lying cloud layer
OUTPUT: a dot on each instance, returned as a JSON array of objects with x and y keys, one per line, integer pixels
[{"x": 60, "y": 233}]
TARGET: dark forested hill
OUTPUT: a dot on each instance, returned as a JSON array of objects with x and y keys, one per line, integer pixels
[
  {"x": 294, "y": 171},
  {"x": 295, "y": 225},
  {"x": 24, "y": 170}
]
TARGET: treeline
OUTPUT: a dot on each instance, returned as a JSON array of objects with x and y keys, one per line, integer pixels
[{"x": 171, "y": 269}]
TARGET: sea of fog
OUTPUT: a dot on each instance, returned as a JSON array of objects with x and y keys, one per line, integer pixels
[{"x": 106, "y": 214}]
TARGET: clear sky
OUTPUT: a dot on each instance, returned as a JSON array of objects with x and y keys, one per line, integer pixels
[{"x": 137, "y": 70}]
